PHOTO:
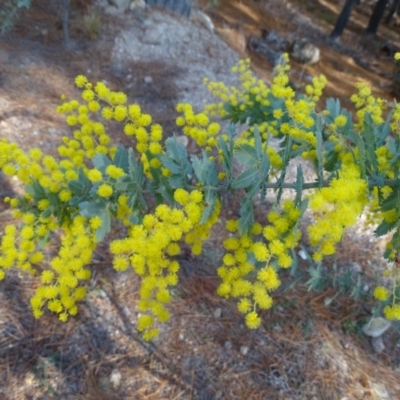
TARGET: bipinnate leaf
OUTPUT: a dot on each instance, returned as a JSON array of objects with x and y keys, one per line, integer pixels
[
  {"x": 105, "y": 227},
  {"x": 391, "y": 202},
  {"x": 333, "y": 106},
  {"x": 246, "y": 220},
  {"x": 385, "y": 227},
  {"x": 257, "y": 142},
  {"x": 101, "y": 162},
  {"x": 210, "y": 199},
  {"x": 298, "y": 185},
  {"x": 370, "y": 136},
  {"x": 246, "y": 154},
  {"x": 120, "y": 159},
  {"x": 245, "y": 179}
]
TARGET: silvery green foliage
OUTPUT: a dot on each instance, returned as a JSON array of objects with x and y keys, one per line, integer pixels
[{"x": 9, "y": 13}]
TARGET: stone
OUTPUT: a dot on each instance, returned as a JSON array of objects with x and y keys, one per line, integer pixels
[
  {"x": 376, "y": 327},
  {"x": 377, "y": 345},
  {"x": 228, "y": 345},
  {"x": 259, "y": 45},
  {"x": 148, "y": 80},
  {"x": 137, "y": 5},
  {"x": 203, "y": 19},
  {"x": 183, "y": 139},
  {"x": 121, "y": 5},
  {"x": 115, "y": 379},
  {"x": 218, "y": 312},
  {"x": 304, "y": 52},
  {"x": 302, "y": 254},
  {"x": 244, "y": 350}
]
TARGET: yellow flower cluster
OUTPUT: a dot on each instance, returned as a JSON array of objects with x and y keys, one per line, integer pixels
[
  {"x": 148, "y": 250},
  {"x": 151, "y": 245},
  {"x": 60, "y": 289},
  {"x": 392, "y": 312},
  {"x": 381, "y": 293},
  {"x": 336, "y": 208},
  {"x": 19, "y": 248},
  {"x": 33, "y": 166},
  {"x": 283, "y": 233},
  {"x": 237, "y": 271},
  {"x": 395, "y": 121},
  {"x": 91, "y": 137},
  {"x": 365, "y": 102},
  {"x": 234, "y": 275},
  {"x": 197, "y": 126},
  {"x": 255, "y": 97},
  {"x": 314, "y": 90}
]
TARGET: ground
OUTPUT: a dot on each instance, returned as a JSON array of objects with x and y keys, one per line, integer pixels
[{"x": 308, "y": 346}]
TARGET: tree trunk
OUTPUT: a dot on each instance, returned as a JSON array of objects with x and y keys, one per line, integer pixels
[
  {"x": 343, "y": 19},
  {"x": 376, "y": 16},
  {"x": 393, "y": 8}
]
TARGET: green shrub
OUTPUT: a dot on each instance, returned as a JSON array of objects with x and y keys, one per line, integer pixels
[{"x": 93, "y": 183}]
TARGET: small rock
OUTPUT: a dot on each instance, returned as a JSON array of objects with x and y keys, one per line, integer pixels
[
  {"x": 377, "y": 344},
  {"x": 244, "y": 350},
  {"x": 302, "y": 254},
  {"x": 126, "y": 311},
  {"x": 376, "y": 327},
  {"x": 356, "y": 268},
  {"x": 115, "y": 379},
  {"x": 137, "y": 5},
  {"x": 181, "y": 336},
  {"x": 278, "y": 328},
  {"x": 345, "y": 344},
  {"x": 228, "y": 345},
  {"x": 217, "y": 312},
  {"x": 203, "y": 19},
  {"x": 380, "y": 391},
  {"x": 121, "y": 5},
  {"x": 304, "y": 52},
  {"x": 183, "y": 139},
  {"x": 148, "y": 80}
]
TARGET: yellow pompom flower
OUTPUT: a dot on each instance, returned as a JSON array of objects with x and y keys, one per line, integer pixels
[
  {"x": 120, "y": 113},
  {"x": 65, "y": 195},
  {"x": 181, "y": 196},
  {"x": 244, "y": 306},
  {"x": 260, "y": 251},
  {"x": 105, "y": 190},
  {"x": 95, "y": 222},
  {"x": 47, "y": 277},
  {"x": 95, "y": 175},
  {"x": 80, "y": 81},
  {"x": 114, "y": 172},
  {"x": 107, "y": 113},
  {"x": 253, "y": 321},
  {"x": 381, "y": 293},
  {"x": 120, "y": 263}
]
